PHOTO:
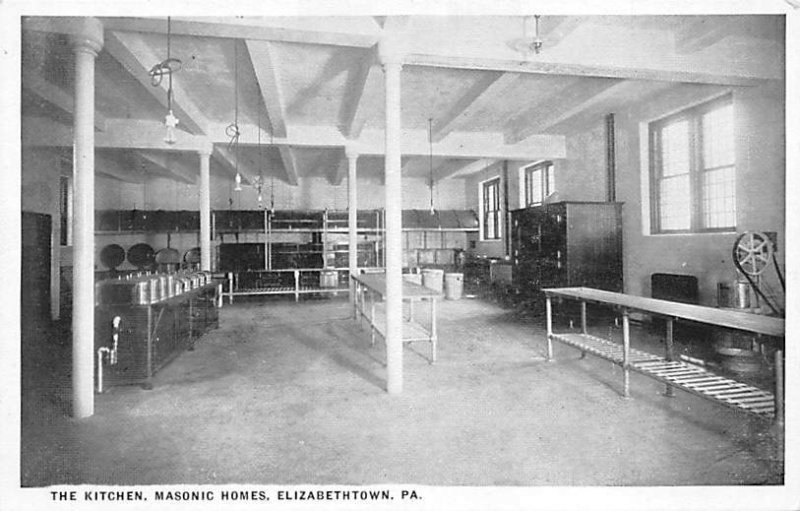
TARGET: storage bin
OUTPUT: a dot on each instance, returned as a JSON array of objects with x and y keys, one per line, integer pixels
[
  {"x": 433, "y": 279},
  {"x": 453, "y": 285}
]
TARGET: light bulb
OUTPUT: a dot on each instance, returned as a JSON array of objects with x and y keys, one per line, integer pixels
[
  {"x": 238, "y": 187},
  {"x": 170, "y": 121}
]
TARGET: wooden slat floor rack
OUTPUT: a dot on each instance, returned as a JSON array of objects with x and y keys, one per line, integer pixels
[{"x": 674, "y": 373}]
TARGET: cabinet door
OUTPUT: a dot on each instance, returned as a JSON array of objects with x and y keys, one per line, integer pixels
[{"x": 594, "y": 246}]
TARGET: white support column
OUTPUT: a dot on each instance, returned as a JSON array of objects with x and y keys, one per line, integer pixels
[
  {"x": 205, "y": 211},
  {"x": 352, "y": 216},
  {"x": 392, "y": 64},
  {"x": 86, "y": 37}
]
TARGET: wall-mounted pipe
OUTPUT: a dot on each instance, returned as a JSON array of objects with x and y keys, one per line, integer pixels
[
  {"x": 110, "y": 352},
  {"x": 611, "y": 160},
  {"x": 506, "y": 213},
  {"x": 100, "y": 352}
]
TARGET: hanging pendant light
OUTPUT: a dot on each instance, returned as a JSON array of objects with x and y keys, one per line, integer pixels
[
  {"x": 430, "y": 161},
  {"x": 232, "y": 130},
  {"x": 259, "y": 180},
  {"x": 167, "y": 68},
  {"x": 271, "y": 180}
]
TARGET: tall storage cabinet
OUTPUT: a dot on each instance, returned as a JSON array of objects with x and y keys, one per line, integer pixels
[{"x": 567, "y": 244}]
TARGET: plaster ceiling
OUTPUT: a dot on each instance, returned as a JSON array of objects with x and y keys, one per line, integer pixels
[{"x": 316, "y": 84}]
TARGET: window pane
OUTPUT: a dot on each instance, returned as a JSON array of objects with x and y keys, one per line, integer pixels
[
  {"x": 535, "y": 188},
  {"x": 491, "y": 205},
  {"x": 675, "y": 148},
  {"x": 718, "y": 137},
  {"x": 674, "y": 203},
  {"x": 551, "y": 180},
  {"x": 719, "y": 198}
]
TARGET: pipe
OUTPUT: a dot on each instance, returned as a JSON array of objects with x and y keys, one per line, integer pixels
[
  {"x": 611, "y": 160},
  {"x": 111, "y": 352},
  {"x": 100, "y": 352}
]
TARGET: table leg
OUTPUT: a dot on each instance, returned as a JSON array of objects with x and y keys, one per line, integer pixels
[
  {"x": 371, "y": 323},
  {"x": 584, "y": 329},
  {"x": 779, "y": 387},
  {"x": 626, "y": 349},
  {"x": 296, "y": 285},
  {"x": 191, "y": 324},
  {"x": 670, "y": 348},
  {"x": 230, "y": 287},
  {"x": 434, "y": 338},
  {"x": 549, "y": 308},
  {"x": 148, "y": 382}
]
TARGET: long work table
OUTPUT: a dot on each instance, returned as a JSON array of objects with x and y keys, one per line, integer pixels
[
  {"x": 674, "y": 373},
  {"x": 370, "y": 290}
]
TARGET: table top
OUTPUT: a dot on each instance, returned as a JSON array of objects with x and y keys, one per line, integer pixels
[
  {"x": 756, "y": 323},
  {"x": 411, "y": 291}
]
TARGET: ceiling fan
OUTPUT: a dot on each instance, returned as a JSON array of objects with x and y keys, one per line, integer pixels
[{"x": 528, "y": 44}]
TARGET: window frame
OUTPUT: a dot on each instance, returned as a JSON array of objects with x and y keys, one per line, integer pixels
[
  {"x": 547, "y": 169},
  {"x": 494, "y": 182},
  {"x": 693, "y": 115}
]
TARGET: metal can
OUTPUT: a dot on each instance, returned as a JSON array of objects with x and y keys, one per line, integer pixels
[
  {"x": 142, "y": 291},
  {"x": 155, "y": 289},
  {"x": 170, "y": 286}
]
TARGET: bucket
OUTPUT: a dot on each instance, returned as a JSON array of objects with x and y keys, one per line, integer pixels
[
  {"x": 453, "y": 285},
  {"x": 414, "y": 278},
  {"x": 433, "y": 279},
  {"x": 329, "y": 278},
  {"x": 736, "y": 353}
]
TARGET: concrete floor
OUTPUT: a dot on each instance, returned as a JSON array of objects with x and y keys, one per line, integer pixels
[{"x": 286, "y": 393}]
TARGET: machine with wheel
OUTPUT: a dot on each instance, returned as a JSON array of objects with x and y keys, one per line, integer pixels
[{"x": 753, "y": 253}]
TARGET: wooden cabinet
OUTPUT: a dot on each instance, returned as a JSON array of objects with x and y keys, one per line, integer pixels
[{"x": 567, "y": 244}]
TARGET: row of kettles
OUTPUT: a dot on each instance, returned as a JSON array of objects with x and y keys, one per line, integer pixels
[{"x": 146, "y": 288}]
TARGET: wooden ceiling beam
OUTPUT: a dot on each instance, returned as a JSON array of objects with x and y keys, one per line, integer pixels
[
  {"x": 583, "y": 70},
  {"x": 119, "y": 134},
  {"x": 108, "y": 166},
  {"x": 56, "y": 96},
  {"x": 336, "y": 177},
  {"x": 149, "y": 135},
  {"x": 354, "y": 113},
  {"x": 283, "y": 29},
  {"x": 569, "y": 102},
  {"x": 289, "y": 164},
  {"x": 265, "y": 66},
  {"x": 704, "y": 31},
  {"x": 488, "y": 85},
  {"x": 464, "y": 170},
  {"x": 171, "y": 164},
  {"x": 233, "y": 164},
  {"x": 137, "y": 58}
]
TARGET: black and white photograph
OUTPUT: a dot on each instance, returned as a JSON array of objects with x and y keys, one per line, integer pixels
[{"x": 351, "y": 255}]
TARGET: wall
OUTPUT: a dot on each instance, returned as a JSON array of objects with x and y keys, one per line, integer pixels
[
  {"x": 579, "y": 177},
  {"x": 42, "y": 169},
  {"x": 760, "y": 162},
  {"x": 760, "y": 169},
  {"x": 582, "y": 175}
]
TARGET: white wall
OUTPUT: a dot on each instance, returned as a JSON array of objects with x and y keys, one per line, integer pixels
[
  {"x": 760, "y": 169},
  {"x": 42, "y": 169}
]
